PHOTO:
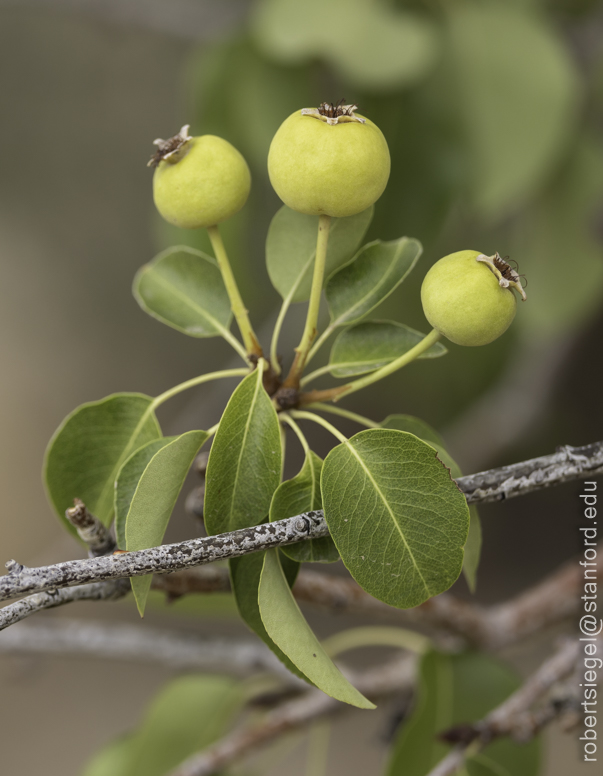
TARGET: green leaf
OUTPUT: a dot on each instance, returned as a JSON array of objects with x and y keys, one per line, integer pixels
[
  {"x": 245, "y": 574},
  {"x": 287, "y": 627},
  {"x": 454, "y": 690},
  {"x": 291, "y": 247},
  {"x": 154, "y": 500},
  {"x": 127, "y": 482},
  {"x": 473, "y": 548},
  {"x": 302, "y": 494},
  {"x": 425, "y": 432},
  {"x": 530, "y": 85},
  {"x": 372, "y": 344},
  {"x": 231, "y": 78},
  {"x": 376, "y": 46},
  {"x": 396, "y": 516},
  {"x": 112, "y": 760},
  {"x": 415, "y": 426},
  {"x": 244, "y": 467},
  {"x": 560, "y": 251},
  {"x": 188, "y": 715},
  {"x": 376, "y": 271},
  {"x": 88, "y": 449},
  {"x": 183, "y": 288}
]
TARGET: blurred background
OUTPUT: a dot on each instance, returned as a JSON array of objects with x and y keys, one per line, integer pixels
[{"x": 493, "y": 112}]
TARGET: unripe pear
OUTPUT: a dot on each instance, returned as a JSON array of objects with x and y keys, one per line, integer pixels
[
  {"x": 328, "y": 161},
  {"x": 468, "y": 297},
  {"x": 201, "y": 182}
]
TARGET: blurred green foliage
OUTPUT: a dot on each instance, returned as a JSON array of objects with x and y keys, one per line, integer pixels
[{"x": 491, "y": 110}]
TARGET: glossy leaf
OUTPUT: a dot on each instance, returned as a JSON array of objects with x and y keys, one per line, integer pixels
[
  {"x": 370, "y": 345},
  {"x": 245, "y": 574},
  {"x": 291, "y": 247},
  {"x": 376, "y": 46},
  {"x": 455, "y": 690},
  {"x": 244, "y": 467},
  {"x": 188, "y": 715},
  {"x": 154, "y": 500},
  {"x": 287, "y": 627},
  {"x": 127, "y": 482},
  {"x": 530, "y": 86},
  {"x": 88, "y": 449},
  {"x": 183, "y": 288},
  {"x": 376, "y": 271},
  {"x": 425, "y": 432},
  {"x": 396, "y": 516},
  {"x": 302, "y": 494}
]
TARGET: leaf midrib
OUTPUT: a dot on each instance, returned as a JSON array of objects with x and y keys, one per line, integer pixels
[
  {"x": 386, "y": 505},
  {"x": 242, "y": 448}
]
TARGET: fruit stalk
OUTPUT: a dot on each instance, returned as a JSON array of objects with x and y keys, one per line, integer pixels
[
  {"x": 334, "y": 394},
  {"x": 310, "y": 331},
  {"x": 236, "y": 302}
]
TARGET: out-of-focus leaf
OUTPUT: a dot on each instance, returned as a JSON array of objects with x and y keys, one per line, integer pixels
[
  {"x": 376, "y": 271},
  {"x": 371, "y": 44},
  {"x": 395, "y": 515},
  {"x": 88, "y": 449},
  {"x": 189, "y": 714},
  {"x": 302, "y": 494},
  {"x": 291, "y": 248},
  {"x": 154, "y": 500},
  {"x": 244, "y": 467},
  {"x": 242, "y": 96},
  {"x": 453, "y": 690},
  {"x": 183, "y": 288},
  {"x": 112, "y": 760},
  {"x": 287, "y": 627},
  {"x": 558, "y": 249},
  {"x": 518, "y": 96},
  {"x": 372, "y": 344}
]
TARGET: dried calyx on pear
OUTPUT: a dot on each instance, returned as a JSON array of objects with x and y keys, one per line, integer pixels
[
  {"x": 328, "y": 161},
  {"x": 468, "y": 297},
  {"x": 198, "y": 181}
]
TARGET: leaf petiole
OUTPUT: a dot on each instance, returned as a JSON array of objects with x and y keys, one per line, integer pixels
[
  {"x": 335, "y": 394},
  {"x": 206, "y": 378},
  {"x": 321, "y": 422},
  {"x": 371, "y": 636},
  {"x": 309, "y": 335},
  {"x": 360, "y": 419}
]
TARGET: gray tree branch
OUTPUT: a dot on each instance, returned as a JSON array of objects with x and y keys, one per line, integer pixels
[
  {"x": 514, "y": 716},
  {"x": 141, "y": 644},
  {"x": 387, "y": 679},
  {"x": 494, "y": 485}
]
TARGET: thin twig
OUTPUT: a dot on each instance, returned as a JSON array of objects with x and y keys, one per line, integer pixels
[
  {"x": 90, "y": 530},
  {"x": 513, "y": 716},
  {"x": 142, "y": 644},
  {"x": 494, "y": 485},
  {"x": 387, "y": 679},
  {"x": 99, "y": 591}
]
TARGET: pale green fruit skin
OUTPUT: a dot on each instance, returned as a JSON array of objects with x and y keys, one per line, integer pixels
[
  {"x": 207, "y": 185},
  {"x": 337, "y": 170},
  {"x": 462, "y": 299}
]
